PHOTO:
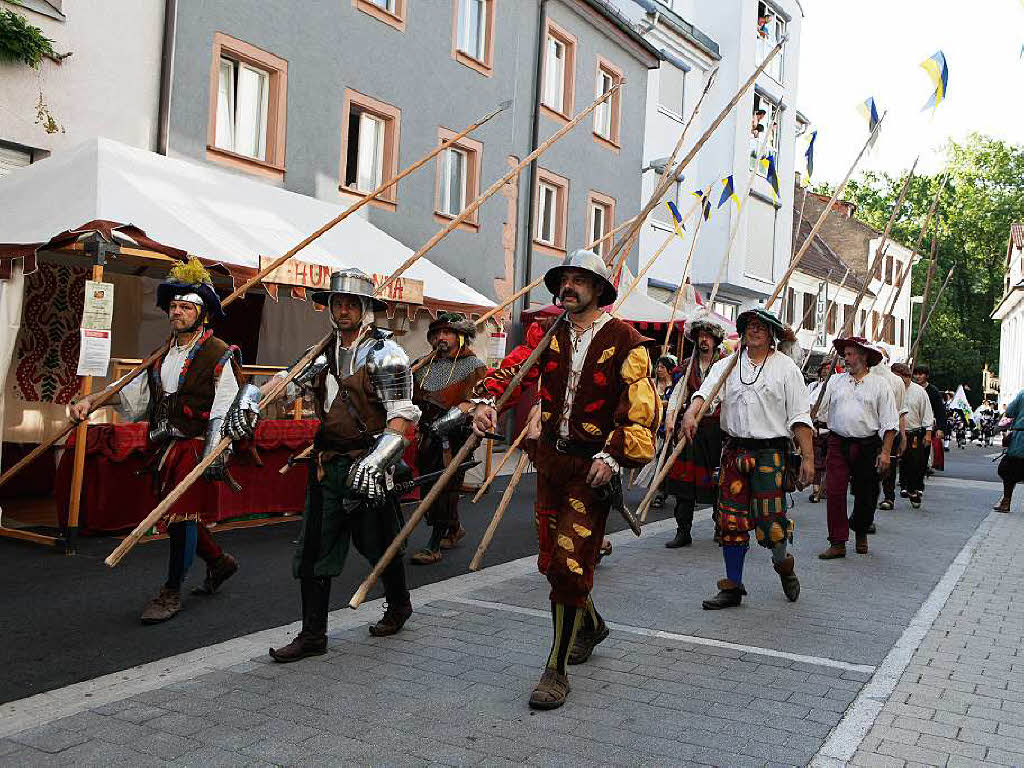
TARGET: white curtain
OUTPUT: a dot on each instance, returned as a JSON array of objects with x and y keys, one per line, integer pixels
[{"x": 12, "y": 294}]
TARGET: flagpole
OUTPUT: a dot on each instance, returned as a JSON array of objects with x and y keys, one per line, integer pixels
[
  {"x": 931, "y": 311},
  {"x": 683, "y": 282}
]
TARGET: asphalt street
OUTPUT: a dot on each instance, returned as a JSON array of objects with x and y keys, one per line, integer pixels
[{"x": 68, "y": 619}]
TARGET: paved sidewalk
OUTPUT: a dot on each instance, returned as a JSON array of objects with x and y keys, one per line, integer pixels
[{"x": 907, "y": 654}]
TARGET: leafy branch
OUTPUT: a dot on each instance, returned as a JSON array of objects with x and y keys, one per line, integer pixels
[{"x": 24, "y": 43}]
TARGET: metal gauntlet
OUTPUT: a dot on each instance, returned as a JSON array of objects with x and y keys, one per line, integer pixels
[
  {"x": 369, "y": 476},
  {"x": 305, "y": 378},
  {"x": 244, "y": 414},
  {"x": 452, "y": 420},
  {"x": 218, "y": 470}
]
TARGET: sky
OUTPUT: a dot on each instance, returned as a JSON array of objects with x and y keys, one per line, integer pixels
[{"x": 852, "y": 50}]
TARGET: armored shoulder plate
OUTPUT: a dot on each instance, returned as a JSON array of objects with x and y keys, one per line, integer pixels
[{"x": 388, "y": 366}]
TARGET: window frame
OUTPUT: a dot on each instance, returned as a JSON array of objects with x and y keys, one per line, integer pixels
[
  {"x": 394, "y": 19},
  {"x": 772, "y": 117},
  {"x": 392, "y": 117},
  {"x": 554, "y": 31},
  {"x": 560, "y": 184},
  {"x": 606, "y": 203},
  {"x": 726, "y": 309},
  {"x": 473, "y": 150},
  {"x": 273, "y": 165},
  {"x": 761, "y": 48},
  {"x": 484, "y": 66},
  {"x": 668, "y": 111},
  {"x": 606, "y": 69}
]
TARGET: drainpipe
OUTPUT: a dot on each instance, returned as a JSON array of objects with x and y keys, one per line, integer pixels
[
  {"x": 534, "y": 134},
  {"x": 163, "y": 117}
]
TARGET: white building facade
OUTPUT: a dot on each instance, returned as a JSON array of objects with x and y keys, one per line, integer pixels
[
  {"x": 1010, "y": 314},
  {"x": 744, "y": 32}
]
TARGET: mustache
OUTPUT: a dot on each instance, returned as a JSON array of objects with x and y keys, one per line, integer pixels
[{"x": 566, "y": 294}]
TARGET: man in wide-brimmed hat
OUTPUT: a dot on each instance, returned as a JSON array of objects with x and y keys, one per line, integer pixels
[
  {"x": 764, "y": 406},
  {"x": 691, "y": 477},
  {"x": 191, "y": 399},
  {"x": 445, "y": 379},
  {"x": 599, "y": 412},
  {"x": 362, "y": 391},
  {"x": 863, "y": 420}
]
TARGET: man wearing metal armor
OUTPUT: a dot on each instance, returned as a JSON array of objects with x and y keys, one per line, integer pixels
[
  {"x": 599, "y": 413},
  {"x": 362, "y": 391},
  {"x": 445, "y": 378},
  {"x": 190, "y": 394}
]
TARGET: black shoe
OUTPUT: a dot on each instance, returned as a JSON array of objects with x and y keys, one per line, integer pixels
[
  {"x": 392, "y": 621},
  {"x": 220, "y": 571},
  {"x": 903, "y": 493},
  {"x": 887, "y": 504},
  {"x": 787, "y": 575},
  {"x": 682, "y": 539},
  {"x": 871, "y": 528},
  {"x": 730, "y": 594}
]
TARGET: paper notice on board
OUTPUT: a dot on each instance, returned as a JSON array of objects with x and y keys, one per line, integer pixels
[
  {"x": 98, "y": 311},
  {"x": 93, "y": 352},
  {"x": 496, "y": 345}
]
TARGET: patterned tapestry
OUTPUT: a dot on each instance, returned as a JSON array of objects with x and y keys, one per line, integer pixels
[{"x": 46, "y": 357}]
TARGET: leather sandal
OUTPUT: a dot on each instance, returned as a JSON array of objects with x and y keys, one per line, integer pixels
[
  {"x": 426, "y": 556},
  {"x": 551, "y": 691},
  {"x": 730, "y": 595},
  {"x": 835, "y": 550},
  {"x": 453, "y": 538},
  {"x": 586, "y": 642},
  {"x": 862, "y": 544}
]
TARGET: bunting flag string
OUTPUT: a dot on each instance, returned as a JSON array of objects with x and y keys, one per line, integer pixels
[
  {"x": 728, "y": 192},
  {"x": 705, "y": 199},
  {"x": 677, "y": 219}
]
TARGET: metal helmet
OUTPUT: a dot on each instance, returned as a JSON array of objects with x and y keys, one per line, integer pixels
[
  {"x": 350, "y": 281},
  {"x": 590, "y": 262}
]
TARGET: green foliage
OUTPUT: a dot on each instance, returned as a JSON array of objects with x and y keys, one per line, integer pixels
[
  {"x": 985, "y": 194},
  {"x": 22, "y": 43}
]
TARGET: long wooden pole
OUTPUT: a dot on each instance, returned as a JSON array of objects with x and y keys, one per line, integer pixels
[
  {"x": 499, "y": 513},
  {"x": 800, "y": 220},
  {"x": 924, "y": 296},
  {"x": 734, "y": 358},
  {"x": 115, "y": 387},
  {"x": 683, "y": 282},
  {"x": 931, "y": 311},
  {"x": 511, "y": 449},
  {"x": 511, "y": 174},
  {"x": 268, "y": 393},
  {"x": 435, "y": 490}
]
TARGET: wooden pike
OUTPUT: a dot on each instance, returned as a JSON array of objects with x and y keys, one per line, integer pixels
[
  {"x": 931, "y": 311},
  {"x": 511, "y": 174},
  {"x": 735, "y": 356},
  {"x": 435, "y": 490},
  {"x": 268, "y": 392},
  {"x": 115, "y": 387},
  {"x": 924, "y": 296},
  {"x": 490, "y": 479},
  {"x": 499, "y": 513}
]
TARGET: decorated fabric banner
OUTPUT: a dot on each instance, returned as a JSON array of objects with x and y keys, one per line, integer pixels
[
  {"x": 959, "y": 402},
  {"x": 46, "y": 356}
]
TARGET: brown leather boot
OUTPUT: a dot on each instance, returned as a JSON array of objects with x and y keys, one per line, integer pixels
[
  {"x": 862, "y": 543},
  {"x": 162, "y": 607},
  {"x": 304, "y": 645},
  {"x": 392, "y": 621},
  {"x": 835, "y": 550},
  {"x": 787, "y": 575},
  {"x": 730, "y": 594},
  {"x": 1003, "y": 505},
  {"x": 222, "y": 569},
  {"x": 453, "y": 538}
]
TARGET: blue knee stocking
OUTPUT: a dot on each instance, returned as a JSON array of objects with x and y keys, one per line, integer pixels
[
  {"x": 733, "y": 555},
  {"x": 183, "y": 538}
]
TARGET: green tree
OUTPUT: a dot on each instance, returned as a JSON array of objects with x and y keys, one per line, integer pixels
[{"x": 984, "y": 195}]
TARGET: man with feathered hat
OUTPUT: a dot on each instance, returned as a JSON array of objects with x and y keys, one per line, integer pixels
[
  {"x": 860, "y": 409},
  {"x": 362, "y": 391},
  {"x": 599, "y": 412},
  {"x": 691, "y": 477},
  {"x": 764, "y": 405},
  {"x": 191, "y": 399},
  {"x": 444, "y": 380}
]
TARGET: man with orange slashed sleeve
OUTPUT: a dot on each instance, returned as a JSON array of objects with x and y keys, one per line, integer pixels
[{"x": 599, "y": 413}]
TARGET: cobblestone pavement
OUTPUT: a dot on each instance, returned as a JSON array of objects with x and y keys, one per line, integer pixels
[{"x": 906, "y": 655}]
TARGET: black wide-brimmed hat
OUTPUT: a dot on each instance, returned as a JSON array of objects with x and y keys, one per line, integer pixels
[
  {"x": 190, "y": 281},
  {"x": 452, "y": 321}
]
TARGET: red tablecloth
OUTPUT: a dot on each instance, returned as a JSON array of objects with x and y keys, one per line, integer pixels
[{"x": 115, "y": 498}]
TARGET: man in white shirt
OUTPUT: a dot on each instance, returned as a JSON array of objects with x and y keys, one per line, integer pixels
[
  {"x": 764, "y": 403},
  {"x": 920, "y": 419},
  {"x": 820, "y": 434},
  {"x": 191, "y": 399},
  {"x": 899, "y": 443},
  {"x": 861, "y": 413}
]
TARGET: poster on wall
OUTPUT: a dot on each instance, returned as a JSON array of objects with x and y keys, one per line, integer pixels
[{"x": 93, "y": 352}]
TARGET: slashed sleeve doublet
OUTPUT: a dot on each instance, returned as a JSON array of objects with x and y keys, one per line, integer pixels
[{"x": 631, "y": 443}]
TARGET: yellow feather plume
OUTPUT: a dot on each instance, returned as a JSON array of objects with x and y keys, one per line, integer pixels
[{"x": 191, "y": 272}]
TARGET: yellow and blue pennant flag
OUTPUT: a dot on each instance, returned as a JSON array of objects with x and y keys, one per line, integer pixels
[
  {"x": 728, "y": 192},
  {"x": 809, "y": 154},
  {"x": 772, "y": 175},
  {"x": 705, "y": 200},
  {"x": 677, "y": 219},
  {"x": 870, "y": 112},
  {"x": 938, "y": 71}
]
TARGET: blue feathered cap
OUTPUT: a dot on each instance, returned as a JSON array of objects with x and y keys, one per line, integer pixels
[{"x": 186, "y": 278}]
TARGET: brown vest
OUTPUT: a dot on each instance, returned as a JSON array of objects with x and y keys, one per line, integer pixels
[
  {"x": 600, "y": 389},
  {"x": 357, "y": 414},
  {"x": 189, "y": 407}
]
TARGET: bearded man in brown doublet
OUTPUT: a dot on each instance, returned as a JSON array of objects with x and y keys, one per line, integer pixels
[
  {"x": 446, "y": 378},
  {"x": 362, "y": 391},
  {"x": 599, "y": 413},
  {"x": 191, "y": 393}
]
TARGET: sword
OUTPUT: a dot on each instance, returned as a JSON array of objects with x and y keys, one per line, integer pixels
[
  {"x": 404, "y": 487},
  {"x": 612, "y": 492}
]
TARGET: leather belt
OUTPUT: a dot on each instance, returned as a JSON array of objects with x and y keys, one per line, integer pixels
[
  {"x": 571, "y": 448},
  {"x": 749, "y": 443}
]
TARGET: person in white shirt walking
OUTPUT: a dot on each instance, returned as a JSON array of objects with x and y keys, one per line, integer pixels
[
  {"x": 919, "y": 422},
  {"x": 820, "y": 434},
  {"x": 862, "y": 416},
  {"x": 764, "y": 402},
  {"x": 899, "y": 443}
]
